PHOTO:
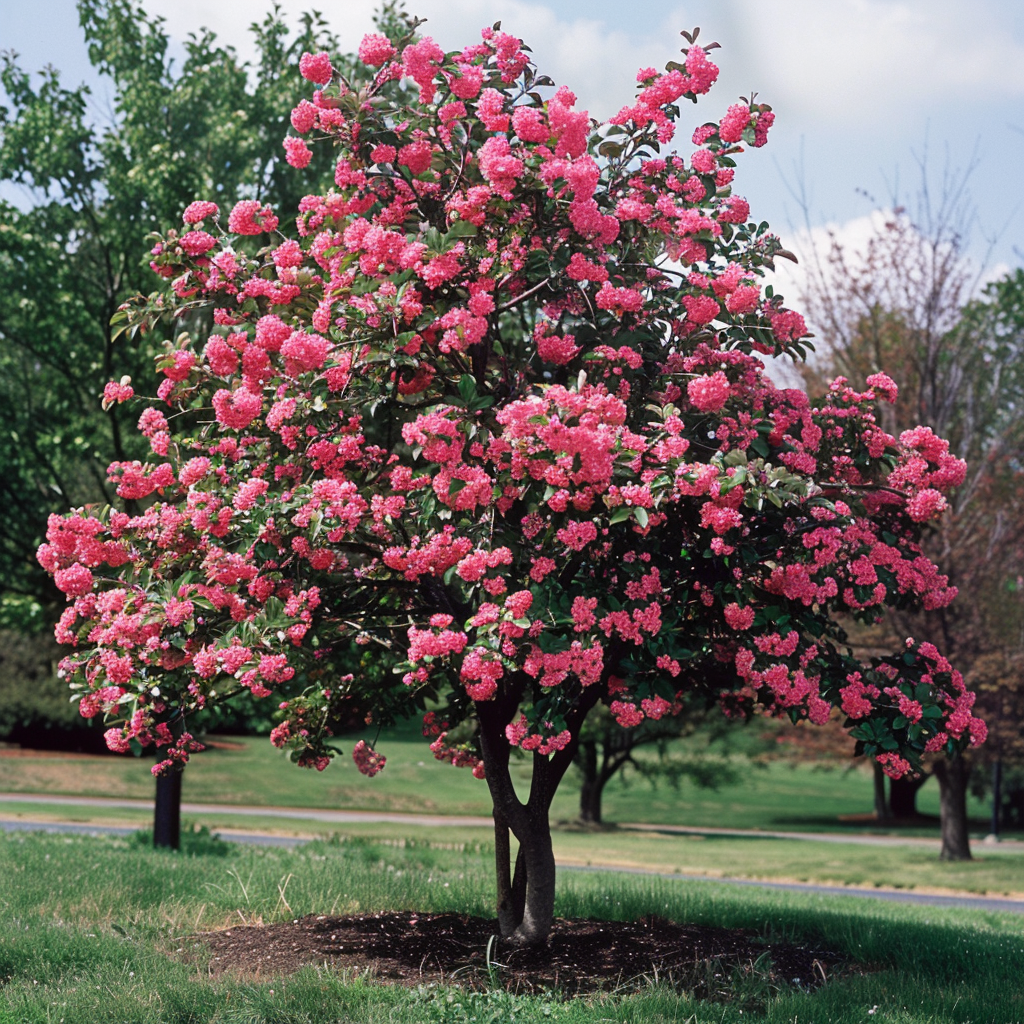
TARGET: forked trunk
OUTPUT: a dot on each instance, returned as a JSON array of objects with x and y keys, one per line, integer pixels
[
  {"x": 535, "y": 879},
  {"x": 526, "y": 900},
  {"x": 952, "y": 778}
]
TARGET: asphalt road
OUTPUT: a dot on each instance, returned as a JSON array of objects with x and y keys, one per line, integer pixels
[{"x": 465, "y": 821}]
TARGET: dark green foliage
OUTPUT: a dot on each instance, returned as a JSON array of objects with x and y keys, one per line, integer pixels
[{"x": 35, "y": 709}]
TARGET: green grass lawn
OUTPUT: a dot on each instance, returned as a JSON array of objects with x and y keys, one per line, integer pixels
[
  {"x": 994, "y": 871},
  {"x": 779, "y": 796},
  {"x": 89, "y": 929}
]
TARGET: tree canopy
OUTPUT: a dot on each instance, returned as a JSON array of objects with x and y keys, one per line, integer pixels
[{"x": 493, "y": 407}]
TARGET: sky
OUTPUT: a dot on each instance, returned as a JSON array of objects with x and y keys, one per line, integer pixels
[{"x": 866, "y": 92}]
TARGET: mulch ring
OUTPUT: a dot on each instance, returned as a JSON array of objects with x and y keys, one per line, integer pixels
[{"x": 581, "y": 956}]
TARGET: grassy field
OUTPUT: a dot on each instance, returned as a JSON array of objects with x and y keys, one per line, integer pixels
[
  {"x": 778, "y": 796},
  {"x": 90, "y": 929},
  {"x": 994, "y": 871}
]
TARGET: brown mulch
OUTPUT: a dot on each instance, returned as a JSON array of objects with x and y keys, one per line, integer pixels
[{"x": 581, "y": 956}]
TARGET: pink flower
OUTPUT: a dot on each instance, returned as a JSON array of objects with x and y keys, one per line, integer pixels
[
  {"x": 303, "y": 117},
  {"x": 518, "y": 604},
  {"x": 116, "y": 741},
  {"x": 73, "y": 581},
  {"x": 304, "y": 352},
  {"x": 619, "y": 300},
  {"x": 249, "y": 218},
  {"x": 581, "y": 269},
  {"x": 367, "y": 760},
  {"x": 926, "y": 504},
  {"x": 195, "y": 243},
  {"x": 416, "y": 156},
  {"x": 628, "y": 715},
  {"x": 557, "y": 349},
  {"x": 529, "y": 124},
  {"x": 734, "y": 123},
  {"x": 739, "y": 618},
  {"x": 709, "y": 393},
  {"x": 719, "y": 518},
  {"x": 193, "y": 471},
  {"x": 419, "y": 62},
  {"x": 297, "y": 153},
  {"x": 499, "y": 166},
  {"x": 700, "y": 309},
  {"x": 893, "y": 765},
  {"x": 884, "y": 385},
  {"x": 236, "y": 409},
  {"x": 316, "y": 68},
  {"x": 271, "y": 333},
  {"x": 655, "y": 707},
  {"x": 744, "y": 299},
  {"x": 199, "y": 211},
  {"x": 583, "y": 613},
  {"x": 117, "y": 391},
  {"x": 376, "y": 49},
  {"x": 466, "y": 85},
  {"x": 787, "y": 325}
]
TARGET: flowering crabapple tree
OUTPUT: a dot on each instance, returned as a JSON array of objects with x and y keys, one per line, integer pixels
[{"x": 491, "y": 402}]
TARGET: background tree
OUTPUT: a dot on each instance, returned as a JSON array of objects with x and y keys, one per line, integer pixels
[
  {"x": 906, "y": 301},
  {"x": 94, "y": 191},
  {"x": 469, "y": 413},
  {"x": 78, "y": 249},
  {"x": 692, "y": 746}
]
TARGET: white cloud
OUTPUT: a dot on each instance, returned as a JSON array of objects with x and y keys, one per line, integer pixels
[
  {"x": 858, "y": 60},
  {"x": 597, "y": 61},
  {"x": 844, "y": 61}
]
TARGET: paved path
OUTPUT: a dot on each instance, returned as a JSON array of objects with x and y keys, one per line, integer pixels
[
  {"x": 296, "y": 813},
  {"x": 892, "y": 895},
  {"x": 469, "y": 821}
]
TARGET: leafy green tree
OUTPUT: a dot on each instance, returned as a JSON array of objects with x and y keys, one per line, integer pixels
[
  {"x": 606, "y": 750},
  {"x": 211, "y": 126}
]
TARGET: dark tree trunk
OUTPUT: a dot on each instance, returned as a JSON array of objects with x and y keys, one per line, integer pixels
[
  {"x": 167, "y": 805},
  {"x": 591, "y": 787},
  {"x": 881, "y": 806},
  {"x": 590, "y": 801},
  {"x": 167, "y": 811},
  {"x": 952, "y": 778},
  {"x": 526, "y": 901},
  {"x": 997, "y": 796},
  {"x": 903, "y": 796}
]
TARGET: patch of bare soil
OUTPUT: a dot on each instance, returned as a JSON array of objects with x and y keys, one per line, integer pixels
[{"x": 581, "y": 956}]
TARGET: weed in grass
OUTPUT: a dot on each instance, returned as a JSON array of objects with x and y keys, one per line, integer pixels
[
  {"x": 446, "y": 1005},
  {"x": 196, "y": 841}
]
